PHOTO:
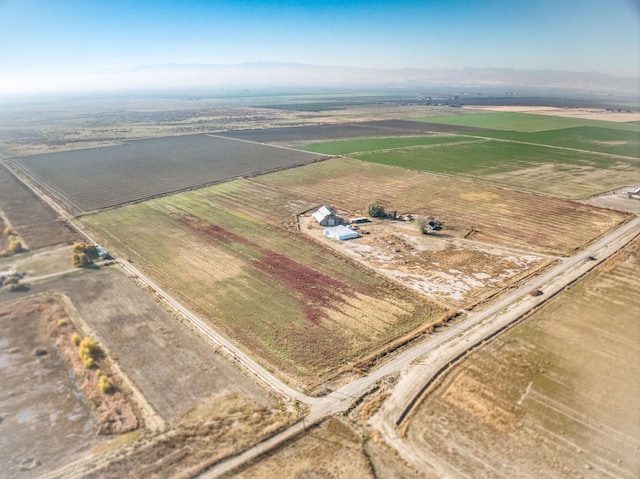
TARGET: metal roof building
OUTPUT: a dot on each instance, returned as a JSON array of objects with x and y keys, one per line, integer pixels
[
  {"x": 325, "y": 216},
  {"x": 341, "y": 233}
]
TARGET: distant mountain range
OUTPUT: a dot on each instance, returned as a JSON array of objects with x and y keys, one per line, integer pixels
[{"x": 294, "y": 74}]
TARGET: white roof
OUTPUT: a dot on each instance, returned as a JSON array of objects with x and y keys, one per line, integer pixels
[
  {"x": 340, "y": 233},
  {"x": 322, "y": 213}
]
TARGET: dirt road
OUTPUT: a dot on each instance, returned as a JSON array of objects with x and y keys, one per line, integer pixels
[{"x": 426, "y": 359}]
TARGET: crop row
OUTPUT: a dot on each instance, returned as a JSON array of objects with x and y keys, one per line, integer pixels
[{"x": 103, "y": 177}]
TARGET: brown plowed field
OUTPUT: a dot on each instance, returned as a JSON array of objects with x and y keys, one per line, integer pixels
[
  {"x": 97, "y": 178},
  {"x": 36, "y": 223},
  {"x": 554, "y": 397}
]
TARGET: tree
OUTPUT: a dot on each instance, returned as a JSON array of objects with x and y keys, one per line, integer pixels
[
  {"x": 375, "y": 210},
  {"x": 83, "y": 254}
]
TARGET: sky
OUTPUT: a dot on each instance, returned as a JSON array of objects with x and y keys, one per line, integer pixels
[{"x": 44, "y": 43}]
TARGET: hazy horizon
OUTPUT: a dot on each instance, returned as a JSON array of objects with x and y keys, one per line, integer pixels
[{"x": 70, "y": 46}]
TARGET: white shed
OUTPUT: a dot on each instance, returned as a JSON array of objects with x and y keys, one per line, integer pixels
[
  {"x": 325, "y": 216},
  {"x": 341, "y": 233}
]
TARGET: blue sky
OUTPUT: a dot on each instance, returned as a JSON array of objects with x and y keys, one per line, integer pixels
[{"x": 41, "y": 37}]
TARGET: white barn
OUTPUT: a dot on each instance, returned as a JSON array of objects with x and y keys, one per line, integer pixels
[
  {"x": 325, "y": 216},
  {"x": 341, "y": 233}
]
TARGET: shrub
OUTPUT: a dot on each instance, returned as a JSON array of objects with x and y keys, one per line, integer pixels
[
  {"x": 75, "y": 339},
  {"x": 375, "y": 210},
  {"x": 88, "y": 351},
  {"x": 83, "y": 254},
  {"x": 104, "y": 384},
  {"x": 61, "y": 322},
  {"x": 8, "y": 231}
]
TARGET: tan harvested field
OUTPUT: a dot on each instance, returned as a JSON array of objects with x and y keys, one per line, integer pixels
[
  {"x": 585, "y": 113},
  {"x": 45, "y": 421},
  {"x": 554, "y": 397},
  {"x": 488, "y": 214},
  {"x": 291, "y": 303},
  {"x": 457, "y": 273}
]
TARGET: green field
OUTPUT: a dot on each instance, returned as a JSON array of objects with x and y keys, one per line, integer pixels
[
  {"x": 570, "y": 163},
  {"x": 588, "y": 138},
  {"x": 346, "y": 147},
  {"x": 525, "y": 122}
]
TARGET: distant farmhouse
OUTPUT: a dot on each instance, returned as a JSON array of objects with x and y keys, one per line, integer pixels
[{"x": 325, "y": 216}]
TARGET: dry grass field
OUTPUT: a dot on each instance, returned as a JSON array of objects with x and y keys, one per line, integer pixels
[
  {"x": 488, "y": 214},
  {"x": 292, "y": 304},
  {"x": 554, "y": 397}
]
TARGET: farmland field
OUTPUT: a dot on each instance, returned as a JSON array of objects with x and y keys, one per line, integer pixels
[
  {"x": 231, "y": 253},
  {"x": 292, "y": 304},
  {"x": 34, "y": 221},
  {"x": 597, "y": 139},
  {"x": 557, "y": 162},
  {"x": 555, "y": 396},
  {"x": 525, "y": 122},
  {"x": 45, "y": 420},
  {"x": 490, "y": 214},
  {"x": 363, "y": 129},
  {"x": 99, "y": 178}
]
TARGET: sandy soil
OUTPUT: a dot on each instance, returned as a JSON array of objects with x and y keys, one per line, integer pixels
[
  {"x": 616, "y": 200},
  {"x": 454, "y": 272},
  {"x": 586, "y": 113}
]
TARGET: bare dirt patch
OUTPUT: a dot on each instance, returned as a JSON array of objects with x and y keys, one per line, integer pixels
[
  {"x": 453, "y": 272},
  {"x": 554, "y": 397},
  {"x": 616, "y": 200},
  {"x": 45, "y": 420}
]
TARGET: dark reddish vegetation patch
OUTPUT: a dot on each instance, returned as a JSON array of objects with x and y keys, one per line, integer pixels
[{"x": 314, "y": 290}]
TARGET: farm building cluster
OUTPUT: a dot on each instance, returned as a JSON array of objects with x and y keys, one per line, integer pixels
[{"x": 335, "y": 227}]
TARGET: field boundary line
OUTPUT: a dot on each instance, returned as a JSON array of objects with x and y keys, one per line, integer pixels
[{"x": 432, "y": 380}]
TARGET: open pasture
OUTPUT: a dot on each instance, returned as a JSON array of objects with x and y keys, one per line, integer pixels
[
  {"x": 486, "y": 213},
  {"x": 97, "y": 178},
  {"x": 554, "y": 397},
  {"x": 293, "y": 305},
  {"x": 525, "y": 122}
]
